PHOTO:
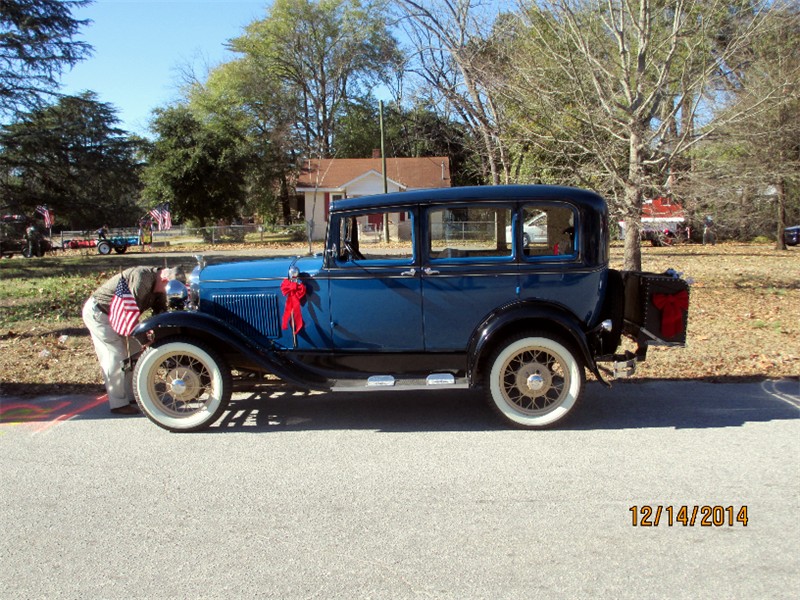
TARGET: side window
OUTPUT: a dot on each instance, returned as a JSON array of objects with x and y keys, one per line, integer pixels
[
  {"x": 469, "y": 232},
  {"x": 362, "y": 238},
  {"x": 547, "y": 230}
]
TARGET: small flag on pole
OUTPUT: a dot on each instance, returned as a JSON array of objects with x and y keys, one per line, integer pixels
[
  {"x": 124, "y": 313},
  {"x": 155, "y": 212},
  {"x": 162, "y": 216},
  {"x": 166, "y": 216},
  {"x": 46, "y": 214}
]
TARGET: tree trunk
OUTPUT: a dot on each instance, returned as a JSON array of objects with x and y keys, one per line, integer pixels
[
  {"x": 781, "y": 189},
  {"x": 633, "y": 204},
  {"x": 286, "y": 212},
  {"x": 632, "y": 255}
]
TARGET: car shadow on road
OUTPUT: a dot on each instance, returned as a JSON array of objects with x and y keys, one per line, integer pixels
[
  {"x": 655, "y": 404},
  {"x": 687, "y": 404},
  {"x": 682, "y": 404}
]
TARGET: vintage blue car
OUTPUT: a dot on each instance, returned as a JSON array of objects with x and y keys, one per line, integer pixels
[{"x": 448, "y": 302}]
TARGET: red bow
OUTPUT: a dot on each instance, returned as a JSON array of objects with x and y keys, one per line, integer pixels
[
  {"x": 294, "y": 291},
  {"x": 672, "y": 307}
]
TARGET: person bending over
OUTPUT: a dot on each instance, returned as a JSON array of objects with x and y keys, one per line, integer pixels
[{"x": 112, "y": 312}]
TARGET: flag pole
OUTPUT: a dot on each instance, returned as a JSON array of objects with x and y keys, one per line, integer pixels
[{"x": 127, "y": 338}]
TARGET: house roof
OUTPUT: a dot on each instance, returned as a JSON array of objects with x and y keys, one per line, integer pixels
[
  {"x": 409, "y": 173},
  {"x": 662, "y": 208}
]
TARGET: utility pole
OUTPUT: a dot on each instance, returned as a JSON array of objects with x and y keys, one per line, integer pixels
[{"x": 383, "y": 168}]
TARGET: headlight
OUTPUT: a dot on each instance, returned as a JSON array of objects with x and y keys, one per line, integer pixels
[
  {"x": 176, "y": 294},
  {"x": 193, "y": 282}
]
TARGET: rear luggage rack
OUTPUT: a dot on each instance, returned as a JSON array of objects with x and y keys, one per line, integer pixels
[{"x": 656, "y": 308}]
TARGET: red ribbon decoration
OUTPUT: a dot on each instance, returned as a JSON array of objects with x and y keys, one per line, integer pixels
[
  {"x": 672, "y": 307},
  {"x": 294, "y": 292}
]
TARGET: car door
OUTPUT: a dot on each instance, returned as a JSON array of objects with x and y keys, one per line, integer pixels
[
  {"x": 469, "y": 270},
  {"x": 374, "y": 286}
]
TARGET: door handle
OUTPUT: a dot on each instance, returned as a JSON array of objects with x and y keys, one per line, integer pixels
[
  {"x": 409, "y": 273},
  {"x": 429, "y": 271}
]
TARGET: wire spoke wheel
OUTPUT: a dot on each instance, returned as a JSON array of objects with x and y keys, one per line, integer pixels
[
  {"x": 534, "y": 381},
  {"x": 182, "y": 385}
]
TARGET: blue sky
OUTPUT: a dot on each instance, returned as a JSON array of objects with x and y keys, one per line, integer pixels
[{"x": 140, "y": 46}]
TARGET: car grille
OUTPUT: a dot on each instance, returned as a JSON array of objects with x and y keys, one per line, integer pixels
[{"x": 250, "y": 313}]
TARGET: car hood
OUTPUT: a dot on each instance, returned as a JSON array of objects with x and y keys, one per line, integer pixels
[{"x": 259, "y": 270}]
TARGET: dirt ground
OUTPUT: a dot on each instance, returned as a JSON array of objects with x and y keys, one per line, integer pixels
[{"x": 744, "y": 324}]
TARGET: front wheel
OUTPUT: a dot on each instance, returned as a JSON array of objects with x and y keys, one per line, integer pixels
[
  {"x": 534, "y": 382},
  {"x": 182, "y": 385}
]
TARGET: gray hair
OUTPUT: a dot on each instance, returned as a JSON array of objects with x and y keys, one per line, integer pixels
[{"x": 175, "y": 273}]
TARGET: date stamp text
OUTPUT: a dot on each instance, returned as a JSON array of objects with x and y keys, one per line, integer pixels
[{"x": 648, "y": 515}]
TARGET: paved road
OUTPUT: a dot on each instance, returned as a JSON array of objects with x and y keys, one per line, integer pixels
[{"x": 405, "y": 496}]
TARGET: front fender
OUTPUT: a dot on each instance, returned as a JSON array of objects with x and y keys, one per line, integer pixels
[
  {"x": 219, "y": 333},
  {"x": 518, "y": 316}
]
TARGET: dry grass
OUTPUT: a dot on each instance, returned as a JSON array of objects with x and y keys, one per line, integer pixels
[
  {"x": 744, "y": 315},
  {"x": 744, "y": 322}
]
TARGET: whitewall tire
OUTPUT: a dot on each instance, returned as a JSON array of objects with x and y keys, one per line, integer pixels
[
  {"x": 534, "y": 382},
  {"x": 182, "y": 385}
]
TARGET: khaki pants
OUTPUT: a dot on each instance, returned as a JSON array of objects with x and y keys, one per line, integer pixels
[{"x": 111, "y": 349}]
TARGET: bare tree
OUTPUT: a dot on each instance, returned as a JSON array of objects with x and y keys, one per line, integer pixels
[
  {"x": 450, "y": 39},
  {"x": 633, "y": 77}
]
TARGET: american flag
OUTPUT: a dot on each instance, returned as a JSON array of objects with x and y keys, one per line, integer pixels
[
  {"x": 162, "y": 216},
  {"x": 46, "y": 214},
  {"x": 124, "y": 313}
]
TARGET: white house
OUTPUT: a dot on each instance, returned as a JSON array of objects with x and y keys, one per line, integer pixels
[{"x": 323, "y": 181}]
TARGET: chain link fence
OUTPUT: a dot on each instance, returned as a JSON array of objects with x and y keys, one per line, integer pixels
[{"x": 221, "y": 234}]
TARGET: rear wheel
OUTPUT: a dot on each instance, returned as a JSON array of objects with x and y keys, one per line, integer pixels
[
  {"x": 534, "y": 381},
  {"x": 104, "y": 248},
  {"x": 182, "y": 385}
]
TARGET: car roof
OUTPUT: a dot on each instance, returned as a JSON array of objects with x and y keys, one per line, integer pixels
[{"x": 484, "y": 193}]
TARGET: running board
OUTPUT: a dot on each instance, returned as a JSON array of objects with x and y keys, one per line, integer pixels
[{"x": 374, "y": 383}]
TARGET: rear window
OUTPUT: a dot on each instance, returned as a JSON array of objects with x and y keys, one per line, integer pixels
[{"x": 546, "y": 230}]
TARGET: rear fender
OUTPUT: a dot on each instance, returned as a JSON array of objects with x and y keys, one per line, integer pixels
[
  {"x": 228, "y": 339},
  {"x": 520, "y": 316}
]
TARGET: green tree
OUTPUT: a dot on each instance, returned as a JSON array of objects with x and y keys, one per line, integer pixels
[
  {"x": 198, "y": 168},
  {"x": 748, "y": 173},
  {"x": 71, "y": 157},
  {"x": 236, "y": 97},
  {"x": 37, "y": 41},
  {"x": 415, "y": 132},
  {"x": 322, "y": 53}
]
